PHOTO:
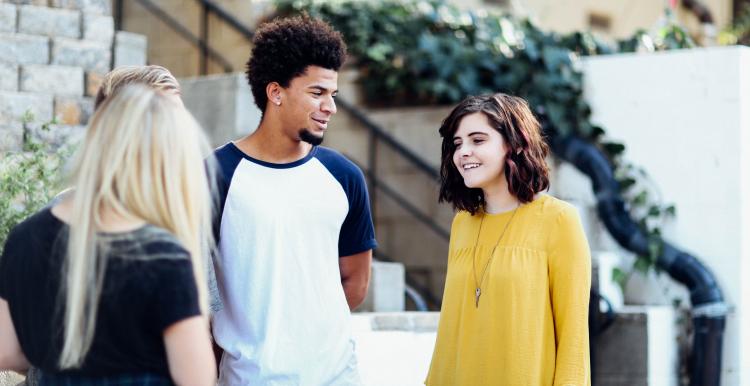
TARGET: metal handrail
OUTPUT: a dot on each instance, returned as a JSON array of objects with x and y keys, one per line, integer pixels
[
  {"x": 211, "y": 6},
  {"x": 404, "y": 203},
  {"x": 413, "y": 157},
  {"x": 184, "y": 32}
]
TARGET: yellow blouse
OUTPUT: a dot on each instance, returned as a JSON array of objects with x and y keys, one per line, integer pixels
[{"x": 531, "y": 326}]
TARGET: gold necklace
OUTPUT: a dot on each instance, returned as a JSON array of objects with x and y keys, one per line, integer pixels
[{"x": 478, "y": 284}]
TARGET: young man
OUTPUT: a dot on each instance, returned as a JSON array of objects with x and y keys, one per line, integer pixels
[{"x": 295, "y": 233}]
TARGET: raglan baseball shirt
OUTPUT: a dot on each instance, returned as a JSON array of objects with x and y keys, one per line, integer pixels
[{"x": 282, "y": 229}]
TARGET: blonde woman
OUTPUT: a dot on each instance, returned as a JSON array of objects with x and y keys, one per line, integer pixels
[{"x": 107, "y": 286}]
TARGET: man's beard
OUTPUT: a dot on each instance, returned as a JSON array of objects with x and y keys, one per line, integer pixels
[{"x": 306, "y": 136}]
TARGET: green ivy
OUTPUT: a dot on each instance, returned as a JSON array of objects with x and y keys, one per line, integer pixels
[
  {"x": 29, "y": 178},
  {"x": 739, "y": 31},
  {"x": 428, "y": 52}
]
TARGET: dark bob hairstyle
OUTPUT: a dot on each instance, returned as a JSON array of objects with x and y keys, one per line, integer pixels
[{"x": 525, "y": 168}]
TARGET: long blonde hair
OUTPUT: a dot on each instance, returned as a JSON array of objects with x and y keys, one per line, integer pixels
[{"x": 142, "y": 158}]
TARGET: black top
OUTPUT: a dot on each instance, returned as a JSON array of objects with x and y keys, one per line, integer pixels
[{"x": 148, "y": 285}]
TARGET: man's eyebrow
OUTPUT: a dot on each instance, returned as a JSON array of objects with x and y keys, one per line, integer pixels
[{"x": 321, "y": 88}]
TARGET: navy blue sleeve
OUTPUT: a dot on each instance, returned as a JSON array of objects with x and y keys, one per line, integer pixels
[
  {"x": 225, "y": 161},
  {"x": 357, "y": 232}
]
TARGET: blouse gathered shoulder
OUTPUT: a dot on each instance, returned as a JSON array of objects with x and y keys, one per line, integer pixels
[{"x": 530, "y": 326}]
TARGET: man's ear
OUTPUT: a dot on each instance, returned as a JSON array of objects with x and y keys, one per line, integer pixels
[{"x": 273, "y": 93}]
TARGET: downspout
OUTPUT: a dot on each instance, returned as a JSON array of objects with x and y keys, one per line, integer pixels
[{"x": 708, "y": 307}]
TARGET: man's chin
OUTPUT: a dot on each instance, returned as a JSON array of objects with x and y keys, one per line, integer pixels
[{"x": 307, "y": 136}]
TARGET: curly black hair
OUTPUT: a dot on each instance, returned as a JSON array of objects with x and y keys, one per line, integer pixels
[{"x": 284, "y": 48}]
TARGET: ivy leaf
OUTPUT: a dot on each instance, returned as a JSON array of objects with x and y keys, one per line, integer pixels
[
  {"x": 642, "y": 264},
  {"x": 619, "y": 277},
  {"x": 654, "y": 211},
  {"x": 613, "y": 148}
]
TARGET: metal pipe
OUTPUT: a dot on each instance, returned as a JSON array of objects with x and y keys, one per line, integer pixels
[{"x": 709, "y": 310}]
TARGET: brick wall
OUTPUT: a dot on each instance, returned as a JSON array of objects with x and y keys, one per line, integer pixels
[{"x": 53, "y": 56}]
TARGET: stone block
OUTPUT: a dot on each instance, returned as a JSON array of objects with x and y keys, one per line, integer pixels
[
  {"x": 11, "y": 137},
  {"x": 8, "y": 77},
  {"x": 59, "y": 136},
  {"x": 222, "y": 104},
  {"x": 73, "y": 110},
  {"x": 93, "y": 82},
  {"x": 405, "y": 321},
  {"x": 58, "y": 80},
  {"x": 14, "y": 105},
  {"x": 100, "y": 28},
  {"x": 102, "y": 7},
  {"x": 8, "y": 17},
  {"x": 639, "y": 348},
  {"x": 43, "y": 3},
  {"x": 387, "y": 288},
  {"x": 24, "y": 49},
  {"x": 130, "y": 49},
  {"x": 36, "y": 20},
  {"x": 90, "y": 55}
]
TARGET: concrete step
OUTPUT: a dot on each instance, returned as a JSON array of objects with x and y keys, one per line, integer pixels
[{"x": 639, "y": 349}]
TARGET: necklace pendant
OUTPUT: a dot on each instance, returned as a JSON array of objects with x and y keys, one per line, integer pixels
[{"x": 477, "y": 294}]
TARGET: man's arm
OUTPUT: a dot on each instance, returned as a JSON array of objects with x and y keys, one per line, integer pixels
[{"x": 355, "y": 276}]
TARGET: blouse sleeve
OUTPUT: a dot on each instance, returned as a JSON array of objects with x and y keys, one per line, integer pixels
[{"x": 570, "y": 285}]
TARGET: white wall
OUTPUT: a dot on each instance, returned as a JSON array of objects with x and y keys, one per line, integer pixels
[{"x": 685, "y": 117}]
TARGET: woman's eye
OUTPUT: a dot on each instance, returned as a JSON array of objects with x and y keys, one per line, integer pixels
[{"x": 478, "y": 141}]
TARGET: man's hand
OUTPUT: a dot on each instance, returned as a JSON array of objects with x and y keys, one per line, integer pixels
[{"x": 355, "y": 276}]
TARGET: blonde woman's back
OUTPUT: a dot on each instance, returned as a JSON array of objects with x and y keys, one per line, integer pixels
[{"x": 120, "y": 259}]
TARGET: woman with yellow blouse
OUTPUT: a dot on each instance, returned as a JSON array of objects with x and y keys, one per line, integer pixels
[{"x": 515, "y": 307}]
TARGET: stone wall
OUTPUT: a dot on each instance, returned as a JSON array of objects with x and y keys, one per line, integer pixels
[{"x": 53, "y": 56}]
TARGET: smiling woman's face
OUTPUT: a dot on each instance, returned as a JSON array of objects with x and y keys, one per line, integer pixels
[{"x": 479, "y": 152}]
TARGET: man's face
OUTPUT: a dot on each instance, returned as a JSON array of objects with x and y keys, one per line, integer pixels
[{"x": 308, "y": 104}]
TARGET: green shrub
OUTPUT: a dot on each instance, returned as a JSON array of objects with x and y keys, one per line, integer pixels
[{"x": 29, "y": 178}]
